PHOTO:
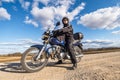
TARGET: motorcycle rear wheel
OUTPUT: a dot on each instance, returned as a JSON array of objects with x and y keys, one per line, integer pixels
[{"x": 78, "y": 52}]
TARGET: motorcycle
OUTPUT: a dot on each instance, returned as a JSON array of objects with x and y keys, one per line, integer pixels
[{"x": 36, "y": 57}]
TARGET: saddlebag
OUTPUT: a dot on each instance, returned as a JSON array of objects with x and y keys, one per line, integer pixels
[{"x": 78, "y": 36}]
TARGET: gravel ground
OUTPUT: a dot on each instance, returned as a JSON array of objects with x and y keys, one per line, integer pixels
[{"x": 104, "y": 66}]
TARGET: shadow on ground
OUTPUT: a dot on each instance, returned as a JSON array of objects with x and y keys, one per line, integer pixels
[
  {"x": 12, "y": 67},
  {"x": 16, "y": 67},
  {"x": 53, "y": 64}
]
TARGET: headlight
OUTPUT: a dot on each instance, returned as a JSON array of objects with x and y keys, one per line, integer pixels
[{"x": 45, "y": 37}]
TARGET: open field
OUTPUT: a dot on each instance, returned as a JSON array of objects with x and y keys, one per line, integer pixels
[
  {"x": 100, "y": 50},
  {"x": 105, "y": 66},
  {"x": 17, "y": 56}
]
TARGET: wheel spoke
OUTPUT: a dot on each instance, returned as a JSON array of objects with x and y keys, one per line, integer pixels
[
  {"x": 78, "y": 52},
  {"x": 29, "y": 61}
]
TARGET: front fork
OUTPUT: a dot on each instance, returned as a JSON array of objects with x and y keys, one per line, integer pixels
[{"x": 39, "y": 54}]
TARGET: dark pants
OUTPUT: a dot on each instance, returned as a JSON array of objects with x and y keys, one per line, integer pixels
[{"x": 70, "y": 49}]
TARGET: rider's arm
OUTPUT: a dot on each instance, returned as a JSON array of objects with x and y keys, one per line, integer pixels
[{"x": 65, "y": 29}]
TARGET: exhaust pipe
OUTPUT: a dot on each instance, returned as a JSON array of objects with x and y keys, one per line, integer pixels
[
  {"x": 77, "y": 56},
  {"x": 80, "y": 55}
]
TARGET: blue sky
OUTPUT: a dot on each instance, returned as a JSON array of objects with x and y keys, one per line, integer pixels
[{"x": 22, "y": 22}]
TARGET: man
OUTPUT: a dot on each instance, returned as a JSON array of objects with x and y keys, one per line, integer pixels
[{"x": 66, "y": 34}]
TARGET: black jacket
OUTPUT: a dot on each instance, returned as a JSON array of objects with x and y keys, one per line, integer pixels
[{"x": 64, "y": 33}]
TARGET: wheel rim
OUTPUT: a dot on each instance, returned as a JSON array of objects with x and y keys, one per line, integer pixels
[
  {"x": 77, "y": 52},
  {"x": 30, "y": 60}
]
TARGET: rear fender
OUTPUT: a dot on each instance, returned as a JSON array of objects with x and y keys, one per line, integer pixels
[{"x": 78, "y": 44}]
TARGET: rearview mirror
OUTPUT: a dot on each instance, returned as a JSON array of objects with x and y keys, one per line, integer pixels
[{"x": 58, "y": 23}]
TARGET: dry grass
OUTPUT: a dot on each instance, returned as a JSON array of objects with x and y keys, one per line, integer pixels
[
  {"x": 9, "y": 59},
  {"x": 101, "y": 50}
]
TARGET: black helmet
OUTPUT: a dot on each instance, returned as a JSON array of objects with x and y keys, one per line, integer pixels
[{"x": 65, "y": 18}]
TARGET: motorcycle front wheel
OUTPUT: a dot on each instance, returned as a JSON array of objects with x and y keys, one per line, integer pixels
[{"x": 29, "y": 62}]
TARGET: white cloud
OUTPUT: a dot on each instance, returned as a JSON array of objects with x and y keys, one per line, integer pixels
[
  {"x": 4, "y": 14},
  {"x": 45, "y": 2},
  {"x": 44, "y": 15},
  {"x": 35, "y": 3},
  {"x": 67, "y": 3},
  {"x": 24, "y": 4},
  {"x": 7, "y": 0},
  {"x": 105, "y": 18},
  {"x": 30, "y": 21},
  {"x": 116, "y": 32},
  {"x": 29, "y": 41},
  {"x": 101, "y": 43},
  {"x": 55, "y": 11},
  {"x": 19, "y": 46},
  {"x": 54, "y": 2},
  {"x": 76, "y": 11},
  {"x": 8, "y": 47}
]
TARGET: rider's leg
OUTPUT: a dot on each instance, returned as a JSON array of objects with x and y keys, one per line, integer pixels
[{"x": 72, "y": 55}]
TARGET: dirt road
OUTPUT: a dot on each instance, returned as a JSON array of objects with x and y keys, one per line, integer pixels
[{"x": 105, "y": 66}]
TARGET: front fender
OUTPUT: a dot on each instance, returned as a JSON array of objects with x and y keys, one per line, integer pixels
[{"x": 38, "y": 46}]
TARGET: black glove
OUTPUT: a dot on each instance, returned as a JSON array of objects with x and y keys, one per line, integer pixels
[{"x": 54, "y": 32}]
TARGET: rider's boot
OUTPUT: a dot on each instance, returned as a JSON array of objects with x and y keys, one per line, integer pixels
[
  {"x": 74, "y": 66},
  {"x": 59, "y": 62}
]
